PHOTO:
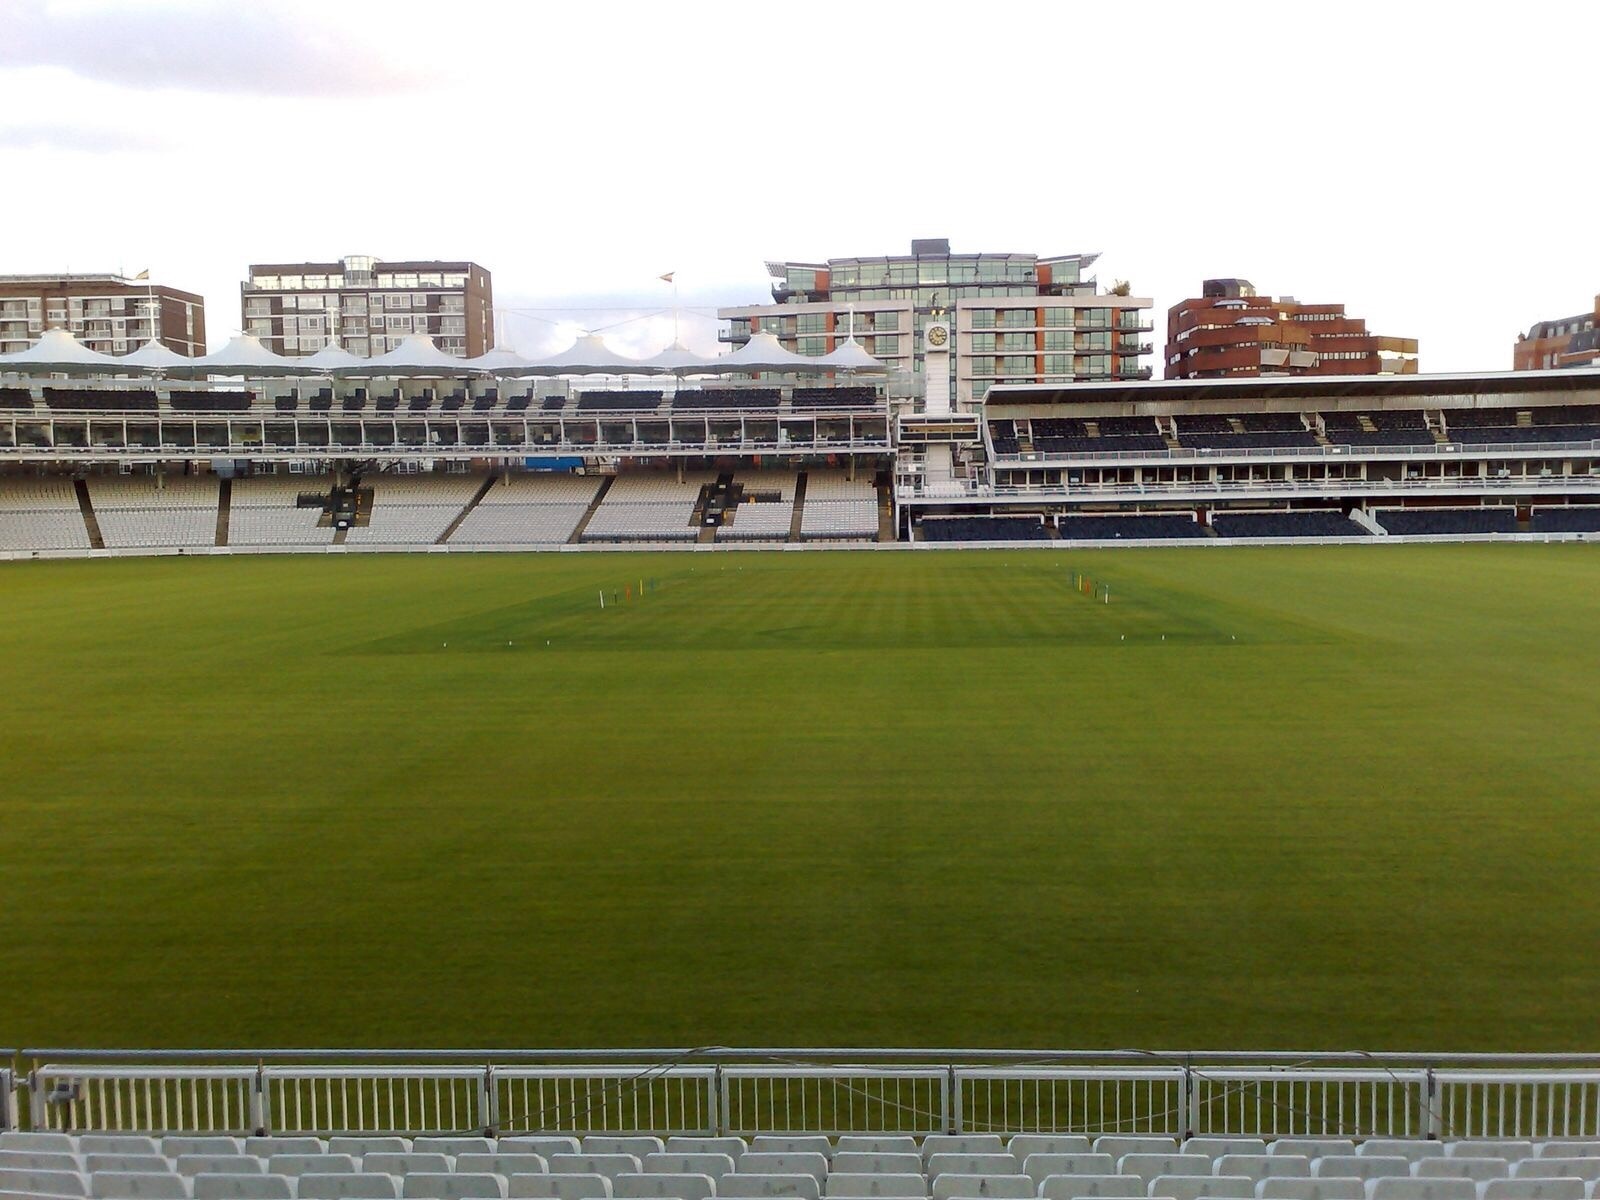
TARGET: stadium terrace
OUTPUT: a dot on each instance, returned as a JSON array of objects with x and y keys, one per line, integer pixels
[{"x": 245, "y": 449}]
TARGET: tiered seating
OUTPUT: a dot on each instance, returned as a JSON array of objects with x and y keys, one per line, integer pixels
[
  {"x": 837, "y": 507},
  {"x": 1071, "y": 435},
  {"x": 133, "y": 511},
  {"x": 1551, "y": 423},
  {"x": 849, "y": 396},
  {"x": 618, "y": 400},
  {"x": 1111, "y": 527},
  {"x": 101, "y": 399},
  {"x": 1420, "y": 521},
  {"x": 40, "y": 514},
  {"x": 1060, "y": 435},
  {"x": 1003, "y": 434},
  {"x": 263, "y": 512},
  {"x": 413, "y": 510},
  {"x": 14, "y": 398},
  {"x": 941, "y": 1167},
  {"x": 762, "y": 519},
  {"x": 726, "y": 398},
  {"x": 1260, "y": 430},
  {"x": 531, "y": 508},
  {"x": 1285, "y": 524},
  {"x": 1389, "y": 428},
  {"x": 1570, "y": 518},
  {"x": 218, "y": 400},
  {"x": 982, "y": 529},
  {"x": 649, "y": 506}
]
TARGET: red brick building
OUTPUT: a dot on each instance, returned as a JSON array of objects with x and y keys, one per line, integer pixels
[
  {"x": 1565, "y": 342},
  {"x": 1230, "y": 332},
  {"x": 105, "y": 312}
]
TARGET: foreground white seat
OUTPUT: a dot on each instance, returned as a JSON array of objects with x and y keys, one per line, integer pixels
[
  {"x": 859, "y": 1162},
  {"x": 311, "y": 1164},
  {"x": 779, "y": 1143},
  {"x": 1312, "y": 1148},
  {"x": 544, "y": 1147},
  {"x": 888, "y": 1143},
  {"x": 452, "y": 1146},
  {"x": 1216, "y": 1147},
  {"x": 1345, "y": 1187},
  {"x": 1194, "y": 1187},
  {"x": 249, "y": 1187},
  {"x": 365, "y": 1186},
  {"x": 609, "y": 1165},
  {"x": 651, "y": 1185},
  {"x": 116, "y": 1143},
  {"x": 1407, "y": 1148},
  {"x": 848, "y": 1183},
  {"x": 1571, "y": 1148},
  {"x": 178, "y": 1146},
  {"x": 1421, "y": 1189},
  {"x": 501, "y": 1164},
  {"x": 58, "y": 1143},
  {"x": 1479, "y": 1170},
  {"x": 1586, "y": 1169},
  {"x": 415, "y": 1162},
  {"x": 40, "y": 1160},
  {"x": 138, "y": 1185},
  {"x": 448, "y": 1186},
  {"x": 1357, "y": 1166},
  {"x": 219, "y": 1164},
  {"x": 44, "y": 1183},
  {"x": 1073, "y": 1187},
  {"x": 266, "y": 1147},
  {"x": 1149, "y": 1166},
  {"x": 798, "y": 1162},
  {"x": 605, "y": 1143},
  {"x": 560, "y": 1186},
  {"x": 972, "y": 1164},
  {"x": 966, "y": 1187},
  {"x": 1534, "y": 1189},
  {"x": 1022, "y": 1145},
  {"x": 733, "y": 1147},
  {"x": 127, "y": 1164},
  {"x": 669, "y": 1163},
  {"x": 1119, "y": 1145},
  {"x": 1511, "y": 1151},
  {"x": 759, "y": 1187},
  {"x": 1042, "y": 1166},
  {"x": 359, "y": 1147},
  {"x": 1265, "y": 1166},
  {"x": 961, "y": 1143}
]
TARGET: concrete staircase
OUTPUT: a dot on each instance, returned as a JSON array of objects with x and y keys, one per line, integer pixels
[
  {"x": 86, "y": 507},
  {"x": 462, "y": 515},
  {"x": 224, "y": 510},
  {"x": 588, "y": 513}
]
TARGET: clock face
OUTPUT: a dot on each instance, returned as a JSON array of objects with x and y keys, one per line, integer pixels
[{"x": 938, "y": 335}]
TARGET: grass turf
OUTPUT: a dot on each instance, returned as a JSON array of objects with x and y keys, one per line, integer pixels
[{"x": 1266, "y": 798}]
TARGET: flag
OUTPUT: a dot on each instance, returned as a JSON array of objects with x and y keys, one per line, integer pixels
[
  {"x": 667, "y": 278},
  {"x": 144, "y": 274}
]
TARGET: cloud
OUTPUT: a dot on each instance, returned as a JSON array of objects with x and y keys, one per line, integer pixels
[
  {"x": 81, "y": 139},
  {"x": 255, "y": 49}
]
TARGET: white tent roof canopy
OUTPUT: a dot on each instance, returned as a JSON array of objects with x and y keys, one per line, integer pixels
[
  {"x": 243, "y": 355},
  {"x": 415, "y": 355},
  {"x": 764, "y": 352},
  {"x": 153, "y": 356},
  {"x": 57, "y": 351}
]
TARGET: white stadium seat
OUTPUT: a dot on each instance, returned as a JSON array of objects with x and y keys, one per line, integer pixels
[
  {"x": 138, "y": 1185},
  {"x": 1534, "y": 1189},
  {"x": 1586, "y": 1169},
  {"x": 311, "y": 1164},
  {"x": 219, "y": 1164},
  {"x": 999, "y": 1163},
  {"x": 1119, "y": 1144},
  {"x": 1567, "y": 1149},
  {"x": 116, "y": 1143},
  {"x": 253, "y": 1187},
  {"x": 544, "y": 1147},
  {"x": 1195, "y": 1187},
  {"x": 266, "y": 1147},
  {"x": 1357, "y": 1166},
  {"x": 609, "y": 1165},
  {"x": 1511, "y": 1151},
  {"x": 793, "y": 1162},
  {"x": 733, "y": 1147},
  {"x": 677, "y": 1163},
  {"x": 846, "y": 1183},
  {"x": 176, "y": 1146},
  {"x": 1479, "y": 1170},
  {"x": 453, "y": 1186},
  {"x": 506, "y": 1164},
  {"x": 1042, "y": 1166},
  {"x": 359, "y": 1147},
  {"x": 1148, "y": 1166},
  {"x": 967, "y": 1187},
  {"x": 365, "y": 1186},
  {"x": 759, "y": 1187},
  {"x": 1421, "y": 1189},
  {"x": 1312, "y": 1148},
  {"x": 39, "y": 1160},
  {"x": 1072, "y": 1187},
  {"x": 58, "y": 1143},
  {"x": 126, "y": 1163},
  {"x": 1215, "y": 1147},
  {"x": 1345, "y": 1187},
  {"x": 415, "y": 1162},
  {"x": 639, "y": 1147},
  {"x": 961, "y": 1143},
  {"x": 856, "y": 1162},
  {"x": 889, "y": 1143},
  {"x": 43, "y": 1183},
  {"x": 560, "y": 1186},
  {"x": 1023, "y": 1144},
  {"x": 649, "y": 1186},
  {"x": 1408, "y": 1148},
  {"x": 1264, "y": 1166}
]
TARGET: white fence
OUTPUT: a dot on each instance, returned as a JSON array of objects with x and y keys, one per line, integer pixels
[{"x": 693, "y": 1093}]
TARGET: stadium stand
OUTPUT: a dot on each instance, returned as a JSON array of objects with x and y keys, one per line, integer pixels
[
  {"x": 837, "y": 507},
  {"x": 1247, "y": 431},
  {"x": 210, "y": 400},
  {"x": 1297, "y": 524},
  {"x": 142, "y": 511},
  {"x": 40, "y": 513},
  {"x": 1573, "y": 518},
  {"x": 727, "y": 398},
  {"x": 628, "y": 401},
  {"x": 263, "y": 511},
  {"x": 414, "y": 509},
  {"x": 14, "y": 398},
  {"x": 1138, "y": 525},
  {"x": 1003, "y": 435},
  {"x": 102, "y": 399},
  {"x": 848, "y": 396},
  {"x": 1464, "y": 521},
  {"x": 648, "y": 506},
  {"x": 528, "y": 508},
  {"x": 982, "y": 529},
  {"x": 1378, "y": 428},
  {"x": 766, "y": 508},
  {"x": 1076, "y": 435},
  {"x": 798, "y": 1167}
]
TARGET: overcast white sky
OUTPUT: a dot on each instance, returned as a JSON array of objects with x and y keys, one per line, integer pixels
[{"x": 1431, "y": 165}]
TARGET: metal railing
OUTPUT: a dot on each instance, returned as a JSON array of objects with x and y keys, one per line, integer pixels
[{"x": 807, "y": 1091}]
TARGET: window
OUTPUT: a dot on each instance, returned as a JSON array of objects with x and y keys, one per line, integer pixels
[
  {"x": 811, "y": 345},
  {"x": 811, "y": 323},
  {"x": 401, "y": 324},
  {"x": 1057, "y": 339},
  {"x": 886, "y": 345},
  {"x": 355, "y": 306},
  {"x": 983, "y": 343},
  {"x": 983, "y": 318},
  {"x": 395, "y": 300}
]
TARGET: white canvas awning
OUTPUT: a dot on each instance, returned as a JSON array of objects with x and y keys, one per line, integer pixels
[
  {"x": 57, "y": 351},
  {"x": 678, "y": 359},
  {"x": 330, "y": 360},
  {"x": 589, "y": 355},
  {"x": 243, "y": 355},
  {"x": 498, "y": 362},
  {"x": 415, "y": 355},
  {"x": 763, "y": 352},
  {"x": 153, "y": 357},
  {"x": 850, "y": 356}
]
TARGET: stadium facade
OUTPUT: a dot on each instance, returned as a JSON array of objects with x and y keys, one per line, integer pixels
[
  {"x": 1015, "y": 318},
  {"x": 368, "y": 306},
  {"x": 416, "y": 449},
  {"x": 109, "y": 313}
]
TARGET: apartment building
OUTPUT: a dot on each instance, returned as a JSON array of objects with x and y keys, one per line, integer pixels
[
  {"x": 108, "y": 313},
  {"x": 1563, "y": 342}
]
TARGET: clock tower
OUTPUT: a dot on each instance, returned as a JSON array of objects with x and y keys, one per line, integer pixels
[{"x": 936, "y": 337}]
